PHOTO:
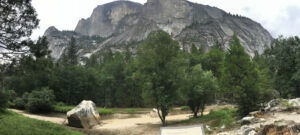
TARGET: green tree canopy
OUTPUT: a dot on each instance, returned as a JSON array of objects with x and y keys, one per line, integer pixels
[
  {"x": 18, "y": 18},
  {"x": 240, "y": 78},
  {"x": 159, "y": 66}
]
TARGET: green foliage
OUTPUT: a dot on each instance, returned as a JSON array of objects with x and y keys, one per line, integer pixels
[
  {"x": 15, "y": 124},
  {"x": 72, "y": 57},
  {"x": 240, "y": 78},
  {"x": 40, "y": 48},
  {"x": 3, "y": 100},
  {"x": 217, "y": 118},
  {"x": 72, "y": 84},
  {"x": 20, "y": 102},
  {"x": 200, "y": 88},
  {"x": 284, "y": 61},
  {"x": 40, "y": 100},
  {"x": 266, "y": 78},
  {"x": 31, "y": 72},
  {"x": 213, "y": 60},
  {"x": 157, "y": 59},
  {"x": 184, "y": 108},
  {"x": 18, "y": 19}
]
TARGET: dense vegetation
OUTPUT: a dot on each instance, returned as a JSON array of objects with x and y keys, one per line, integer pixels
[
  {"x": 160, "y": 75},
  {"x": 14, "y": 124}
]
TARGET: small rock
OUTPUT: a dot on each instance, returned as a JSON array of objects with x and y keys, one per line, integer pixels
[
  {"x": 247, "y": 120},
  {"x": 254, "y": 113},
  {"x": 85, "y": 115},
  {"x": 271, "y": 104},
  {"x": 245, "y": 130},
  {"x": 223, "y": 127},
  {"x": 262, "y": 120},
  {"x": 252, "y": 132},
  {"x": 223, "y": 133},
  {"x": 293, "y": 113},
  {"x": 208, "y": 128}
]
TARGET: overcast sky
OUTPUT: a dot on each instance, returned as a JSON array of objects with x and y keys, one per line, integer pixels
[{"x": 279, "y": 17}]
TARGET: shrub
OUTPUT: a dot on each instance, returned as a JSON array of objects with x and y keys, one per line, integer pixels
[
  {"x": 11, "y": 96},
  {"x": 184, "y": 108},
  {"x": 40, "y": 101},
  {"x": 20, "y": 103}
]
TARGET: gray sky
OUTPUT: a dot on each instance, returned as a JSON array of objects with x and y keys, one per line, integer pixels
[{"x": 279, "y": 17}]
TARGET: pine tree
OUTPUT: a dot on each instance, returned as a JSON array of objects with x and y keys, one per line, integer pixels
[
  {"x": 240, "y": 78},
  {"x": 72, "y": 52}
]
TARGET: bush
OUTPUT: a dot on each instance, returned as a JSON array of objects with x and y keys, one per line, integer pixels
[
  {"x": 11, "y": 96},
  {"x": 20, "y": 103},
  {"x": 40, "y": 101},
  {"x": 184, "y": 108},
  {"x": 3, "y": 100}
]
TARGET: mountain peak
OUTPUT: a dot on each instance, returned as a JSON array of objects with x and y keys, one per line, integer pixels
[{"x": 125, "y": 22}]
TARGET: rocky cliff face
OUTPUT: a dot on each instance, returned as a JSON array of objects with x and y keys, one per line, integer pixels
[{"x": 124, "y": 22}]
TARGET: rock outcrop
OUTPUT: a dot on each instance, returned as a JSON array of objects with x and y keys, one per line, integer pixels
[
  {"x": 281, "y": 127},
  {"x": 125, "y": 22},
  {"x": 85, "y": 115}
]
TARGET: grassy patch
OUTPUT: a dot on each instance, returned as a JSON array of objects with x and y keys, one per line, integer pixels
[
  {"x": 217, "y": 119},
  {"x": 184, "y": 108},
  {"x": 102, "y": 111},
  {"x": 15, "y": 124}
]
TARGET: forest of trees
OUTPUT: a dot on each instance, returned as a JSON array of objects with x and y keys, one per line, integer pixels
[{"x": 161, "y": 76}]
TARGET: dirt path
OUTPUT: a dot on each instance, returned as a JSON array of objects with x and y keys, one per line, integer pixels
[
  {"x": 55, "y": 118},
  {"x": 141, "y": 124}
]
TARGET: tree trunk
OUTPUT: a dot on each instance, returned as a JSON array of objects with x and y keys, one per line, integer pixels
[
  {"x": 202, "y": 109},
  {"x": 195, "y": 111},
  {"x": 162, "y": 116}
]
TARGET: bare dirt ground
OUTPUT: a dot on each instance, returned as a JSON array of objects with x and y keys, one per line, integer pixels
[{"x": 141, "y": 124}]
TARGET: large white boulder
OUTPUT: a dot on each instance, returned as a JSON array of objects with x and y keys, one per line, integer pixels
[
  {"x": 85, "y": 115},
  {"x": 294, "y": 102}
]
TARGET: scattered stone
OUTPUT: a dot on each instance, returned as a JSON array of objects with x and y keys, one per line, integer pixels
[
  {"x": 246, "y": 130},
  {"x": 154, "y": 113},
  {"x": 252, "y": 132},
  {"x": 247, "y": 120},
  {"x": 223, "y": 133},
  {"x": 262, "y": 120},
  {"x": 254, "y": 113},
  {"x": 281, "y": 127},
  {"x": 271, "y": 104},
  {"x": 293, "y": 113},
  {"x": 223, "y": 127},
  {"x": 85, "y": 115},
  {"x": 208, "y": 128}
]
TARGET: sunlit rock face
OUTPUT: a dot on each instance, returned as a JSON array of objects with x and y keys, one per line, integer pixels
[
  {"x": 125, "y": 22},
  {"x": 105, "y": 19}
]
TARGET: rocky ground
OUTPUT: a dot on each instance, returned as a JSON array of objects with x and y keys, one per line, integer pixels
[{"x": 279, "y": 117}]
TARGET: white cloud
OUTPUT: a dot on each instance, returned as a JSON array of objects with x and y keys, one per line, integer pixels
[{"x": 277, "y": 16}]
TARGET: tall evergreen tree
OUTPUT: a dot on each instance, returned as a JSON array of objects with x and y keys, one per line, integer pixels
[
  {"x": 283, "y": 62},
  {"x": 72, "y": 56},
  {"x": 240, "y": 78}
]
